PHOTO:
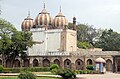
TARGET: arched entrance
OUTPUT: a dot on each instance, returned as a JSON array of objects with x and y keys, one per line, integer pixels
[
  {"x": 0, "y": 62},
  {"x": 46, "y": 63},
  {"x": 56, "y": 61},
  {"x": 26, "y": 63},
  {"x": 67, "y": 64},
  {"x": 109, "y": 65},
  {"x": 17, "y": 63},
  {"x": 89, "y": 62},
  {"x": 8, "y": 63},
  {"x": 79, "y": 64},
  {"x": 35, "y": 63}
]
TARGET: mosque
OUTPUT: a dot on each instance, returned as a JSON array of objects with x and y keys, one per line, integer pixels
[{"x": 55, "y": 43}]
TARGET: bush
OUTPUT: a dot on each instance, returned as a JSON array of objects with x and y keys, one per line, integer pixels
[
  {"x": 33, "y": 69},
  {"x": 90, "y": 67},
  {"x": 26, "y": 75},
  {"x": 86, "y": 72},
  {"x": 1, "y": 68},
  {"x": 54, "y": 66},
  {"x": 67, "y": 73}
]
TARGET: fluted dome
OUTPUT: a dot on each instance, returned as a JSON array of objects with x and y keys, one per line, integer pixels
[
  {"x": 60, "y": 21},
  {"x": 27, "y": 23},
  {"x": 43, "y": 19}
]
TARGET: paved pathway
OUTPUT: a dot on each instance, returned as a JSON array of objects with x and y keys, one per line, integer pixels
[{"x": 108, "y": 75}]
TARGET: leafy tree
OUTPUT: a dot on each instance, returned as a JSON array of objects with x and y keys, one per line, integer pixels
[
  {"x": 109, "y": 41},
  {"x": 6, "y": 30},
  {"x": 21, "y": 40},
  {"x": 86, "y": 33},
  {"x": 84, "y": 45},
  {"x": 13, "y": 43}
]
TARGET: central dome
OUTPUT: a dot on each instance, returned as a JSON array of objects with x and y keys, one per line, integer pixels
[{"x": 43, "y": 19}]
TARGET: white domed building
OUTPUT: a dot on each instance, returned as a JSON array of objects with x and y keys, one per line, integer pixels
[{"x": 55, "y": 43}]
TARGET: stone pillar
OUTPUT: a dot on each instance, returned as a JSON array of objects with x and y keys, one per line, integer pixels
[
  {"x": 31, "y": 62},
  {"x": 21, "y": 63},
  {"x": 84, "y": 62},
  {"x": 73, "y": 66},
  {"x": 40, "y": 62},
  {"x": 61, "y": 63}
]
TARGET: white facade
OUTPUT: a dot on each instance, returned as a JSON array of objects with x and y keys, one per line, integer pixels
[
  {"x": 45, "y": 41},
  {"x": 51, "y": 41}
]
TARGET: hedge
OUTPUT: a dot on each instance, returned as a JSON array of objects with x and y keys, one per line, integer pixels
[
  {"x": 32, "y": 69},
  {"x": 86, "y": 72}
]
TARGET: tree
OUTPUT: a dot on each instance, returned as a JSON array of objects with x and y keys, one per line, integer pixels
[
  {"x": 6, "y": 30},
  {"x": 21, "y": 40},
  {"x": 13, "y": 43},
  {"x": 109, "y": 41},
  {"x": 86, "y": 36}
]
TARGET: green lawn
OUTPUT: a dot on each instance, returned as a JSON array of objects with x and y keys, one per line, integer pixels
[{"x": 17, "y": 78}]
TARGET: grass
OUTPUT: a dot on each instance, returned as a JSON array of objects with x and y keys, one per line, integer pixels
[{"x": 18, "y": 78}]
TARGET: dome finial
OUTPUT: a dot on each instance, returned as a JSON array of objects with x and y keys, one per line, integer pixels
[
  {"x": 29, "y": 13},
  {"x": 44, "y": 5},
  {"x": 60, "y": 8}
]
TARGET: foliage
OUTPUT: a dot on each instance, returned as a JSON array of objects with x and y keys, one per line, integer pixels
[
  {"x": 1, "y": 68},
  {"x": 66, "y": 73},
  {"x": 54, "y": 66},
  {"x": 13, "y": 43},
  {"x": 84, "y": 45},
  {"x": 70, "y": 25},
  {"x": 26, "y": 75},
  {"x": 90, "y": 67},
  {"x": 37, "y": 78},
  {"x": 86, "y": 72},
  {"x": 34, "y": 69},
  {"x": 109, "y": 41},
  {"x": 86, "y": 33}
]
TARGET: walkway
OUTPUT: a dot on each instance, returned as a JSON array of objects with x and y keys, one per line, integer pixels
[{"x": 108, "y": 75}]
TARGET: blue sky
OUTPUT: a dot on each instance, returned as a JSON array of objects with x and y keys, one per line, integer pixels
[{"x": 100, "y": 13}]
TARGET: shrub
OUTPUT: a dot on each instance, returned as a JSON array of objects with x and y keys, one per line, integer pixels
[
  {"x": 54, "y": 71},
  {"x": 33, "y": 69},
  {"x": 1, "y": 68},
  {"x": 67, "y": 73},
  {"x": 54, "y": 66},
  {"x": 90, "y": 67},
  {"x": 26, "y": 75}
]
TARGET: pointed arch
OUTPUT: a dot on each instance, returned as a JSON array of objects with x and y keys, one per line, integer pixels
[
  {"x": 109, "y": 65},
  {"x": 26, "y": 63},
  {"x": 56, "y": 61},
  {"x": 67, "y": 64},
  {"x": 89, "y": 62},
  {"x": 8, "y": 63},
  {"x": 35, "y": 63},
  {"x": 46, "y": 63},
  {"x": 16, "y": 63},
  {"x": 79, "y": 64}
]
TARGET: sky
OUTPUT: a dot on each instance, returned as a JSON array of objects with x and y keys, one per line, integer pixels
[{"x": 102, "y": 14}]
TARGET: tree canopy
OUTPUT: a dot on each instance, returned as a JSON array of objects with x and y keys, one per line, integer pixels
[
  {"x": 13, "y": 43},
  {"x": 109, "y": 41}
]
